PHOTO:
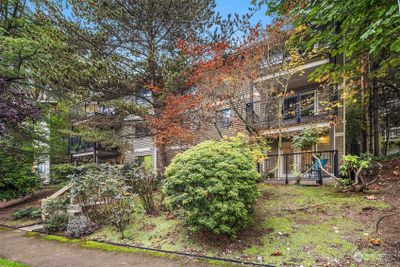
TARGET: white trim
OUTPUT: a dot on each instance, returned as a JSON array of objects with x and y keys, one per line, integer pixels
[
  {"x": 82, "y": 154},
  {"x": 304, "y": 67},
  {"x": 145, "y": 149},
  {"x": 297, "y": 128}
]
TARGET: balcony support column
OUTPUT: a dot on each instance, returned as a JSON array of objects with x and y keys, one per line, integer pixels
[{"x": 95, "y": 154}]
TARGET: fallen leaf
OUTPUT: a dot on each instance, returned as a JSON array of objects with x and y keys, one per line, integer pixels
[
  {"x": 276, "y": 253},
  {"x": 371, "y": 197},
  {"x": 170, "y": 216},
  {"x": 375, "y": 242}
]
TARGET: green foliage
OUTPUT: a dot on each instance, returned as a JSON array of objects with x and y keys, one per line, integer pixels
[
  {"x": 9, "y": 263},
  {"x": 306, "y": 137},
  {"x": 296, "y": 173},
  {"x": 16, "y": 176},
  {"x": 56, "y": 216},
  {"x": 105, "y": 137},
  {"x": 351, "y": 164},
  {"x": 387, "y": 157},
  {"x": 57, "y": 222},
  {"x": 59, "y": 173},
  {"x": 58, "y": 122},
  {"x": 214, "y": 185},
  {"x": 32, "y": 212},
  {"x": 143, "y": 183},
  {"x": 94, "y": 184},
  {"x": 55, "y": 204},
  {"x": 119, "y": 212}
]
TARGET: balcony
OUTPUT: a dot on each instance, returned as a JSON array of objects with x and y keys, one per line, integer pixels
[
  {"x": 87, "y": 110},
  {"x": 80, "y": 148},
  {"x": 299, "y": 108},
  {"x": 392, "y": 134}
]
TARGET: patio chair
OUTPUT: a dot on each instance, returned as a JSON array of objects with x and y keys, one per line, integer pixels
[{"x": 315, "y": 168}]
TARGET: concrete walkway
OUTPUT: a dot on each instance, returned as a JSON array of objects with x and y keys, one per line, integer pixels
[{"x": 35, "y": 251}]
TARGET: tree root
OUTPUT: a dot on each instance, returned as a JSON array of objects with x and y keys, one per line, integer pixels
[{"x": 383, "y": 217}]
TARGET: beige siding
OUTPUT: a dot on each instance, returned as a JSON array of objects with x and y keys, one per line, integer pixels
[{"x": 339, "y": 146}]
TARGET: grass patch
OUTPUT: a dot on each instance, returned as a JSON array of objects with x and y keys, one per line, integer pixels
[
  {"x": 312, "y": 225},
  {"x": 32, "y": 234},
  {"x": 60, "y": 239},
  {"x": 113, "y": 248},
  {"x": 107, "y": 247},
  {"x": 308, "y": 225},
  {"x": 9, "y": 263},
  {"x": 2, "y": 228}
]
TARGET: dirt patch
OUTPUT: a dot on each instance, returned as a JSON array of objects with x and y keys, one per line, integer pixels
[
  {"x": 388, "y": 189},
  {"x": 34, "y": 201}
]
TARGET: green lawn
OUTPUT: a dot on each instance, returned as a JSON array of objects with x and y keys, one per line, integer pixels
[
  {"x": 9, "y": 263},
  {"x": 306, "y": 225}
]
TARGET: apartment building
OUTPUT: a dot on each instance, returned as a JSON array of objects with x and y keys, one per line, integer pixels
[{"x": 303, "y": 107}]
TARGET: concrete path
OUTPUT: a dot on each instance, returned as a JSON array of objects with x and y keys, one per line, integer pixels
[{"x": 35, "y": 251}]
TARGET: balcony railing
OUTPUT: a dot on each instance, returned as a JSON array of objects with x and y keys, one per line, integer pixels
[
  {"x": 86, "y": 110},
  {"x": 76, "y": 146},
  {"x": 288, "y": 167},
  {"x": 392, "y": 134}
]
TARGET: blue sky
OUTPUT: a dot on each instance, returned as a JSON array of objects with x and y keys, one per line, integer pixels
[{"x": 224, "y": 7}]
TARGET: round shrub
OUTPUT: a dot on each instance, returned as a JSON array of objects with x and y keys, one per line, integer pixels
[{"x": 214, "y": 186}]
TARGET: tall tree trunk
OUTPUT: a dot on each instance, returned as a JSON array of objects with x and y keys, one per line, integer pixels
[
  {"x": 364, "y": 111},
  {"x": 375, "y": 116},
  {"x": 162, "y": 159},
  {"x": 371, "y": 122}
]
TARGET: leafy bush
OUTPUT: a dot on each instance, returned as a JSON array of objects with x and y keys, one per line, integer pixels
[
  {"x": 32, "y": 212},
  {"x": 96, "y": 184},
  {"x": 119, "y": 212},
  {"x": 101, "y": 190},
  {"x": 214, "y": 186},
  {"x": 56, "y": 222},
  {"x": 268, "y": 175},
  {"x": 351, "y": 164},
  {"x": 56, "y": 216},
  {"x": 55, "y": 204},
  {"x": 143, "y": 183},
  {"x": 80, "y": 226},
  {"x": 307, "y": 137},
  {"x": 60, "y": 173},
  {"x": 16, "y": 177}
]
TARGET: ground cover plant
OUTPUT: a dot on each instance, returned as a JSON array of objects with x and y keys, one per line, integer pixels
[
  {"x": 10, "y": 263},
  {"x": 31, "y": 212}
]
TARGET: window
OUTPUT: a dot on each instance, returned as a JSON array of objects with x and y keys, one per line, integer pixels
[
  {"x": 42, "y": 167},
  {"x": 143, "y": 96},
  {"x": 271, "y": 60},
  {"x": 224, "y": 118},
  {"x": 146, "y": 161}
]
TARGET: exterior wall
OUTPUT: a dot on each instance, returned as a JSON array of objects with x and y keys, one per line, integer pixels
[{"x": 144, "y": 146}]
